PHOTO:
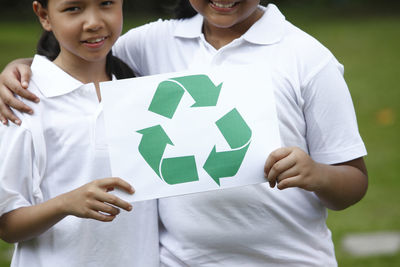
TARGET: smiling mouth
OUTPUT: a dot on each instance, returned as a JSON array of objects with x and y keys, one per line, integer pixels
[
  {"x": 95, "y": 41},
  {"x": 223, "y": 5}
]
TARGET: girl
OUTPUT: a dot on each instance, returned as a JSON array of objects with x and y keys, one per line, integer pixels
[
  {"x": 319, "y": 166},
  {"x": 64, "y": 154}
]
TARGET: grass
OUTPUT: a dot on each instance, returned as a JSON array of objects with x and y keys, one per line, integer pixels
[{"x": 368, "y": 46}]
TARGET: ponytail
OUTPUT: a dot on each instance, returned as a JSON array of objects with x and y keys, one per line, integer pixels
[
  {"x": 48, "y": 46},
  {"x": 115, "y": 66}
]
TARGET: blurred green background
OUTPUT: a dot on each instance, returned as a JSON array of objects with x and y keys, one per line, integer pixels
[{"x": 364, "y": 36}]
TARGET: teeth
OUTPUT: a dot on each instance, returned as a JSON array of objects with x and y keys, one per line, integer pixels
[
  {"x": 95, "y": 40},
  {"x": 221, "y": 5}
]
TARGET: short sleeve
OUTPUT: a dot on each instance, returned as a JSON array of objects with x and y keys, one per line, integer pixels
[
  {"x": 149, "y": 49},
  {"x": 19, "y": 173},
  {"x": 332, "y": 131},
  {"x": 129, "y": 47}
]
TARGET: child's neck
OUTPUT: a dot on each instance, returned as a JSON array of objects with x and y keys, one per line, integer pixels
[
  {"x": 84, "y": 71},
  {"x": 219, "y": 37}
]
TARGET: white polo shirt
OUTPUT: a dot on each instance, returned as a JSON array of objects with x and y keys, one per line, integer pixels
[
  {"x": 255, "y": 225},
  {"x": 58, "y": 149}
]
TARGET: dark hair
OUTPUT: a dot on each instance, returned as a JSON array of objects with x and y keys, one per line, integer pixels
[
  {"x": 184, "y": 10},
  {"x": 49, "y": 47}
]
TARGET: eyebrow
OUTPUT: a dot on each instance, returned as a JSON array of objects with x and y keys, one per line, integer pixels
[{"x": 73, "y": 2}]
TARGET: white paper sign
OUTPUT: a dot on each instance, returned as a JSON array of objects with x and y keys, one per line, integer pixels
[{"x": 188, "y": 132}]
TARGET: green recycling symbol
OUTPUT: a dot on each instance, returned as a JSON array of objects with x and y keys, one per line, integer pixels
[{"x": 177, "y": 170}]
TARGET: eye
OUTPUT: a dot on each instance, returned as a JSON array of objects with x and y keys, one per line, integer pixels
[
  {"x": 107, "y": 3},
  {"x": 71, "y": 9}
]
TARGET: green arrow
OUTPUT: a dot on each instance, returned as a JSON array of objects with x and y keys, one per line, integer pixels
[
  {"x": 201, "y": 88},
  {"x": 179, "y": 170},
  {"x": 225, "y": 163},
  {"x": 235, "y": 130},
  {"x": 152, "y": 146},
  {"x": 166, "y": 98}
]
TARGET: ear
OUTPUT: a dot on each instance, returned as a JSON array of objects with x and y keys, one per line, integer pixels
[{"x": 43, "y": 15}]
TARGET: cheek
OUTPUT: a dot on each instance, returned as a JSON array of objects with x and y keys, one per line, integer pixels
[
  {"x": 68, "y": 36},
  {"x": 197, "y": 4},
  {"x": 120, "y": 24},
  {"x": 117, "y": 24},
  {"x": 66, "y": 27}
]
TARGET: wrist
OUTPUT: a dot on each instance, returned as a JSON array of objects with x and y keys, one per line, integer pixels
[
  {"x": 60, "y": 203},
  {"x": 25, "y": 61},
  {"x": 324, "y": 179}
]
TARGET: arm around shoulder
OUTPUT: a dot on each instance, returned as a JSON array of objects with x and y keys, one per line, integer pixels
[{"x": 14, "y": 80}]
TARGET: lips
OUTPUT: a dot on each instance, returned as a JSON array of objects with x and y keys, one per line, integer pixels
[
  {"x": 94, "y": 43},
  {"x": 223, "y": 4},
  {"x": 94, "y": 40}
]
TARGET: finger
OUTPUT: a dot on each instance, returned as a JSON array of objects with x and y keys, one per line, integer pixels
[
  {"x": 18, "y": 105},
  {"x": 92, "y": 214},
  {"x": 284, "y": 163},
  {"x": 289, "y": 182},
  {"x": 18, "y": 88},
  {"x": 10, "y": 100},
  {"x": 26, "y": 74},
  {"x": 114, "y": 200},
  {"x": 291, "y": 172},
  {"x": 110, "y": 183},
  {"x": 3, "y": 120},
  {"x": 18, "y": 84},
  {"x": 7, "y": 114},
  {"x": 275, "y": 156},
  {"x": 283, "y": 168},
  {"x": 105, "y": 208},
  {"x": 24, "y": 93}
]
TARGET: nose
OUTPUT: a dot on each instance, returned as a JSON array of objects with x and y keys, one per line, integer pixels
[{"x": 93, "y": 21}]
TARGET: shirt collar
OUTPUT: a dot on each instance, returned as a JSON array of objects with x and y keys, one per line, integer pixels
[
  {"x": 271, "y": 24},
  {"x": 190, "y": 28},
  {"x": 51, "y": 80}
]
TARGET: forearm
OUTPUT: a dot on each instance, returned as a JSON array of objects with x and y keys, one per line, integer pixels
[
  {"x": 28, "y": 222},
  {"x": 24, "y": 61},
  {"x": 342, "y": 185}
]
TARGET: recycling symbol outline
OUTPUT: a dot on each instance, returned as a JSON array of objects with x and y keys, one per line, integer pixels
[{"x": 178, "y": 170}]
